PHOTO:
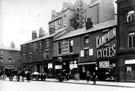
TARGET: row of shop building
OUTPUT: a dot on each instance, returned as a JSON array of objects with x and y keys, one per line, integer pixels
[{"x": 106, "y": 48}]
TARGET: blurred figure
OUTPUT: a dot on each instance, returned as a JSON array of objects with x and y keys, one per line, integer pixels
[
  {"x": 18, "y": 75},
  {"x": 43, "y": 75},
  {"x": 88, "y": 76},
  {"x": 28, "y": 75},
  {"x": 22, "y": 74}
]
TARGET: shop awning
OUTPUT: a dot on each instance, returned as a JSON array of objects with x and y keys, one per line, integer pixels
[{"x": 87, "y": 63}]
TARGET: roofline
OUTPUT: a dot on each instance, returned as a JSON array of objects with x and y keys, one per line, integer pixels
[
  {"x": 38, "y": 39},
  {"x": 44, "y": 37},
  {"x": 87, "y": 32}
]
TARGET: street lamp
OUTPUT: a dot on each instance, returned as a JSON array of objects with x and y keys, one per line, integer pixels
[{"x": 95, "y": 74}]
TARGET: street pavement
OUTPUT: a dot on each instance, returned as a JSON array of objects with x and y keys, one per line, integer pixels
[{"x": 70, "y": 85}]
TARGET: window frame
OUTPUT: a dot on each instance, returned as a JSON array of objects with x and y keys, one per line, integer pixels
[
  {"x": 72, "y": 45},
  {"x": 131, "y": 15},
  {"x": 86, "y": 36},
  {"x": 86, "y": 53},
  {"x": 59, "y": 48},
  {"x": 131, "y": 38}
]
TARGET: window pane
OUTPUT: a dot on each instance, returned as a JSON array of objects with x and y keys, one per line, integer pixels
[
  {"x": 130, "y": 16},
  {"x": 59, "y": 47},
  {"x": 134, "y": 41},
  {"x": 71, "y": 45},
  {"x": 130, "y": 42},
  {"x": 86, "y": 39},
  {"x": 86, "y": 53}
]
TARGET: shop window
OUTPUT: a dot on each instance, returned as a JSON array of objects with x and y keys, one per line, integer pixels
[
  {"x": 71, "y": 44},
  {"x": 59, "y": 48},
  {"x": 86, "y": 39},
  {"x": 86, "y": 53},
  {"x": 131, "y": 40},
  {"x": 131, "y": 16}
]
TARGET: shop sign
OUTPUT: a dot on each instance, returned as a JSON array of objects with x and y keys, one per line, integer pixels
[
  {"x": 58, "y": 66},
  {"x": 65, "y": 47},
  {"x": 50, "y": 65},
  {"x": 101, "y": 40},
  {"x": 73, "y": 66},
  {"x": 90, "y": 52},
  {"x": 82, "y": 53},
  {"x": 106, "y": 52},
  {"x": 130, "y": 61},
  {"x": 104, "y": 64}
]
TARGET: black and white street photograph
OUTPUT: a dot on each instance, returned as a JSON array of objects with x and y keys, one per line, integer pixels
[{"x": 67, "y": 45}]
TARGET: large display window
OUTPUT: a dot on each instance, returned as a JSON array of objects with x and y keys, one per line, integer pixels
[
  {"x": 130, "y": 70},
  {"x": 107, "y": 70}
]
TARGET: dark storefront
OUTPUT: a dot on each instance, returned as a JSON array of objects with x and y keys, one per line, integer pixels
[
  {"x": 106, "y": 55},
  {"x": 39, "y": 67},
  {"x": 84, "y": 67},
  {"x": 66, "y": 64}
]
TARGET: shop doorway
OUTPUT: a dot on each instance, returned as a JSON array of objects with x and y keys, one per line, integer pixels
[
  {"x": 130, "y": 72},
  {"x": 84, "y": 68}
]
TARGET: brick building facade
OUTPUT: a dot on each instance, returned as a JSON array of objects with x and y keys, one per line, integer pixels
[
  {"x": 9, "y": 58},
  {"x": 126, "y": 39}
]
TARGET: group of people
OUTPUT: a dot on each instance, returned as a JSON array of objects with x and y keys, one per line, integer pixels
[{"x": 20, "y": 75}]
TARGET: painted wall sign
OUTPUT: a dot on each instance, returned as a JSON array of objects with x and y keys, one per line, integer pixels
[
  {"x": 104, "y": 64},
  {"x": 109, "y": 50},
  {"x": 106, "y": 52},
  {"x": 65, "y": 47},
  {"x": 100, "y": 41}
]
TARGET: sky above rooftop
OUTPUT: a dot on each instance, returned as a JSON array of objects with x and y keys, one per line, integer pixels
[{"x": 20, "y": 17}]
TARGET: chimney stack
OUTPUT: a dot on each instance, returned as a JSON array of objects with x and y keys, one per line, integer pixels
[
  {"x": 41, "y": 32},
  {"x": 34, "y": 35},
  {"x": 89, "y": 23}
]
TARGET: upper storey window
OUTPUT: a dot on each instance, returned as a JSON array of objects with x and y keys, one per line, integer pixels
[
  {"x": 131, "y": 16},
  {"x": 131, "y": 40}
]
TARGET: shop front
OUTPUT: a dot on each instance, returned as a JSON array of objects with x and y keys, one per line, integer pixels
[
  {"x": 84, "y": 67},
  {"x": 39, "y": 67},
  {"x": 130, "y": 69},
  {"x": 66, "y": 64},
  {"x": 106, "y": 55}
]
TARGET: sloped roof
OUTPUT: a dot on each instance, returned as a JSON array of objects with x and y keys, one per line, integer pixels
[
  {"x": 44, "y": 37},
  {"x": 96, "y": 27}
]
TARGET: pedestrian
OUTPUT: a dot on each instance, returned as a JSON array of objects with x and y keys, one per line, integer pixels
[
  {"x": 22, "y": 74},
  {"x": 28, "y": 75},
  {"x": 18, "y": 75},
  {"x": 94, "y": 78},
  {"x": 88, "y": 76}
]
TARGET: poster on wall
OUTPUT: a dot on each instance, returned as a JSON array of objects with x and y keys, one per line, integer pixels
[
  {"x": 50, "y": 65},
  {"x": 104, "y": 64}
]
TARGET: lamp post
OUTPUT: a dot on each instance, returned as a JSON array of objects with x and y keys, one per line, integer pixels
[
  {"x": 95, "y": 74},
  {"x": 60, "y": 76}
]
